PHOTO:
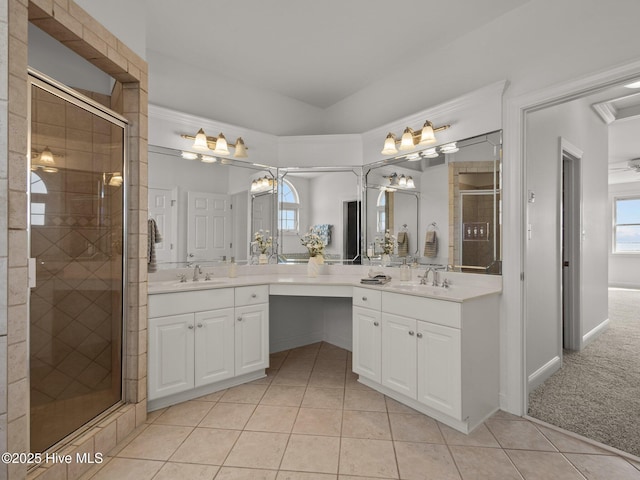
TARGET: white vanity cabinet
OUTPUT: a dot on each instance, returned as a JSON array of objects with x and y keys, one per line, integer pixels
[
  {"x": 198, "y": 340},
  {"x": 366, "y": 333},
  {"x": 439, "y": 357}
]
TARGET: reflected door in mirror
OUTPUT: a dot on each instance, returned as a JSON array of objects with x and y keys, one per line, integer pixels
[{"x": 208, "y": 222}]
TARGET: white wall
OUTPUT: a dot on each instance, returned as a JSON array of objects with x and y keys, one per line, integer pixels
[
  {"x": 624, "y": 269},
  {"x": 577, "y": 123}
]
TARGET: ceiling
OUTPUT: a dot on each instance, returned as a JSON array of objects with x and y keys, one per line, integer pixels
[{"x": 315, "y": 52}]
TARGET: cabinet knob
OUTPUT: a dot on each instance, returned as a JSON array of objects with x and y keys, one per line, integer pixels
[
  {"x": 190, "y": 327},
  {"x": 375, "y": 324},
  {"x": 411, "y": 332},
  {"x": 239, "y": 319},
  {"x": 253, "y": 295},
  {"x": 364, "y": 299},
  {"x": 419, "y": 335},
  {"x": 199, "y": 325}
]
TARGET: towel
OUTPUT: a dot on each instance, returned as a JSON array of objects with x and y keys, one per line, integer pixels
[
  {"x": 153, "y": 237},
  {"x": 431, "y": 244},
  {"x": 403, "y": 244}
]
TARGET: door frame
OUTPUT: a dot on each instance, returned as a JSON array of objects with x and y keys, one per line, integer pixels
[{"x": 570, "y": 244}]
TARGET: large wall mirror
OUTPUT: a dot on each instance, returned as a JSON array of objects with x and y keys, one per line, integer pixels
[
  {"x": 208, "y": 208},
  {"x": 325, "y": 200},
  {"x": 441, "y": 205}
]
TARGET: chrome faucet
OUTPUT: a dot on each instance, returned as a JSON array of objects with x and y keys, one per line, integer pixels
[
  {"x": 423, "y": 279},
  {"x": 196, "y": 273}
]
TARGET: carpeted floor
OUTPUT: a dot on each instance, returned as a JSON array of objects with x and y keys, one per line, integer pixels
[{"x": 596, "y": 393}]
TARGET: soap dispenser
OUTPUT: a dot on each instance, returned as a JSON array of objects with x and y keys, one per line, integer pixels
[
  {"x": 405, "y": 271},
  {"x": 233, "y": 268}
]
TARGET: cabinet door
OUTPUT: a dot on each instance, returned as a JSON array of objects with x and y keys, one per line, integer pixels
[
  {"x": 366, "y": 343},
  {"x": 170, "y": 353},
  {"x": 439, "y": 373},
  {"x": 399, "y": 354},
  {"x": 252, "y": 338},
  {"x": 214, "y": 344}
]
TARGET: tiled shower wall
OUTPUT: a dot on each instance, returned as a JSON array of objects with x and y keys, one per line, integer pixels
[{"x": 69, "y": 24}]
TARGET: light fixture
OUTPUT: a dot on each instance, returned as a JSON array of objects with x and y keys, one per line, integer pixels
[
  {"x": 116, "y": 179},
  {"x": 449, "y": 148},
  {"x": 633, "y": 85},
  {"x": 44, "y": 160},
  {"x": 430, "y": 153},
  {"x": 189, "y": 155},
  {"x": 262, "y": 184},
  {"x": 219, "y": 144},
  {"x": 399, "y": 182},
  {"x": 207, "y": 159},
  {"x": 413, "y": 157},
  {"x": 411, "y": 138},
  {"x": 46, "y": 157}
]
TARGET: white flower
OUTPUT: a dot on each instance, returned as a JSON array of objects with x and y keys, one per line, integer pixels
[{"x": 314, "y": 243}]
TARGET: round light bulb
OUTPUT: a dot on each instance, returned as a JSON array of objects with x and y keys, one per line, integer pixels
[
  {"x": 407, "y": 140},
  {"x": 221, "y": 145},
  {"x": 200, "y": 142}
]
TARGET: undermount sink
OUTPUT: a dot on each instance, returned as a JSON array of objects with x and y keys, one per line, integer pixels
[{"x": 417, "y": 287}]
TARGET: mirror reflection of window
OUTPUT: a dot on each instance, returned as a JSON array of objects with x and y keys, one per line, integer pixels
[
  {"x": 380, "y": 213},
  {"x": 289, "y": 203}
]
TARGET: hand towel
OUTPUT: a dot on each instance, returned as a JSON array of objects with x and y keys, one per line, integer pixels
[
  {"x": 153, "y": 237},
  {"x": 403, "y": 244},
  {"x": 431, "y": 244}
]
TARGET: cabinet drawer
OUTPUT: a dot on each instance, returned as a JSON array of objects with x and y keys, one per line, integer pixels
[
  {"x": 161, "y": 305},
  {"x": 252, "y": 295},
  {"x": 439, "y": 312},
  {"x": 364, "y": 297}
]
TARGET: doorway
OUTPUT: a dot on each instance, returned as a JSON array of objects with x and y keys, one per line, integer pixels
[
  {"x": 351, "y": 229},
  {"x": 571, "y": 218},
  {"x": 76, "y": 240}
]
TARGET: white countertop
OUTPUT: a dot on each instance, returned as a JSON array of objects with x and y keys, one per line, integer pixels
[{"x": 464, "y": 286}]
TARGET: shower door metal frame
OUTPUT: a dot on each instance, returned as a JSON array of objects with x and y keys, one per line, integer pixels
[{"x": 67, "y": 94}]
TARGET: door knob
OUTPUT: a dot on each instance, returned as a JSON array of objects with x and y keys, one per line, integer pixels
[
  {"x": 364, "y": 299},
  {"x": 253, "y": 295}
]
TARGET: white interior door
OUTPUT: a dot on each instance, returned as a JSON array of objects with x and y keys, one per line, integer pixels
[
  {"x": 208, "y": 226},
  {"x": 161, "y": 209}
]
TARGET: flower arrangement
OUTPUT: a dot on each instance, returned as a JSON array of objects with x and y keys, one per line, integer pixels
[
  {"x": 387, "y": 243},
  {"x": 262, "y": 240},
  {"x": 314, "y": 243}
]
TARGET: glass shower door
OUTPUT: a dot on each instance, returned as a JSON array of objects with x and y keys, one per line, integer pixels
[{"x": 76, "y": 238}]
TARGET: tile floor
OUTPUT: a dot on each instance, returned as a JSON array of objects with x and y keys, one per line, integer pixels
[{"x": 310, "y": 419}]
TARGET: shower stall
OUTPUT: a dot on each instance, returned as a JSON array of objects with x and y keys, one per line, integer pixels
[{"x": 77, "y": 223}]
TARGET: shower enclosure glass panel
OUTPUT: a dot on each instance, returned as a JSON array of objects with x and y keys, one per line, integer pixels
[{"x": 76, "y": 237}]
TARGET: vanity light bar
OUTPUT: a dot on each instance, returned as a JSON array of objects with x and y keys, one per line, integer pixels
[
  {"x": 203, "y": 143},
  {"x": 410, "y": 138}
]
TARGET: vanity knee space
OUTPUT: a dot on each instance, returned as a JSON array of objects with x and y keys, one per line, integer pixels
[{"x": 439, "y": 357}]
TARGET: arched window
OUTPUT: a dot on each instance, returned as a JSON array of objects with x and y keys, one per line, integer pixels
[
  {"x": 289, "y": 204},
  {"x": 380, "y": 212},
  {"x": 38, "y": 187}
]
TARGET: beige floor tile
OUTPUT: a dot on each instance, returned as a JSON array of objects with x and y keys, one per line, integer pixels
[
  {"x": 363, "y": 457},
  {"x": 266, "y": 380},
  {"x": 127, "y": 440},
  {"x": 276, "y": 360},
  {"x": 188, "y": 414},
  {"x": 543, "y": 465},
  {"x": 394, "y": 406},
  {"x": 424, "y": 460},
  {"x": 502, "y": 415},
  {"x": 369, "y": 400},
  {"x": 480, "y": 437},
  {"x": 319, "y": 397},
  {"x": 208, "y": 446},
  {"x": 603, "y": 467},
  {"x": 235, "y": 473},
  {"x": 414, "y": 428},
  {"x": 329, "y": 380},
  {"x": 284, "y": 475},
  {"x": 128, "y": 469},
  {"x": 351, "y": 381},
  {"x": 519, "y": 435},
  {"x": 152, "y": 416},
  {"x": 283, "y": 395},
  {"x": 312, "y": 454},
  {"x": 157, "y": 442},
  {"x": 258, "y": 450},
  {"x": 318, "y": 421},
  {"x": 361, "y": 424},
  {"x": 568, "y": 444},
  {"x": 267, "y": 418},
  {"x": 233, "y": 416},
  {"x": 295, "y": 378},
  {"x": 190, "y": 471},
  {"x": 212, "y": 397},
  {"x": 480, "y": 463},
  {"x": 244, "y": 394},
  {"x": 351, "y": 477}
]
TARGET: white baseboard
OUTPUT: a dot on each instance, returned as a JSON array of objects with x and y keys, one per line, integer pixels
[
  {"x": 295, "y": 341},
  {"x": 538, "y": 377},
  {"x": 594, "y": 333}
]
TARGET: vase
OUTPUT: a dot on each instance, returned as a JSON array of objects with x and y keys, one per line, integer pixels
[
  {"x": 313, "y": 266},
  {"x": 385, "y": 260},
  {"x": 263, "y": 259}
]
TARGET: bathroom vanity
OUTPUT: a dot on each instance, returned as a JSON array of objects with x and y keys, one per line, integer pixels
[{"x": 434, "y": 349}]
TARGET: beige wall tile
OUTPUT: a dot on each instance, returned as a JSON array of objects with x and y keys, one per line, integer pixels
[{"x": 18, "y": 247}]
